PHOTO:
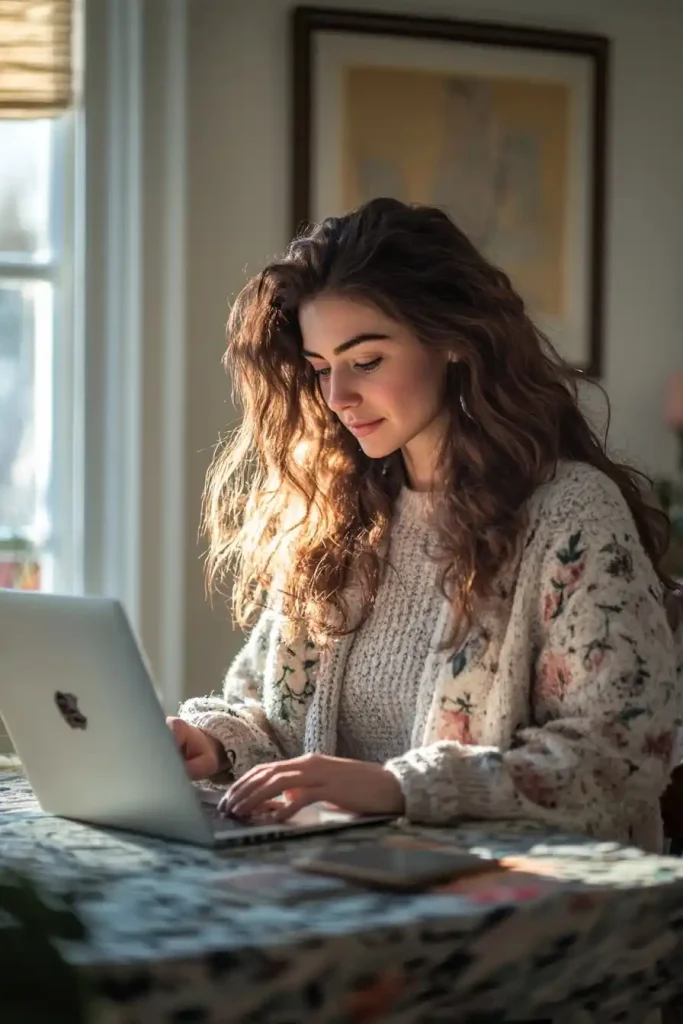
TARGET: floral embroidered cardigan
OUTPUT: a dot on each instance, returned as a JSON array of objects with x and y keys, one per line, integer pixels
[{"x": 561, "y": 706}]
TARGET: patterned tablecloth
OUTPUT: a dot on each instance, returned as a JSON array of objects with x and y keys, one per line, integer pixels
[{"x": 167, "y": 942}]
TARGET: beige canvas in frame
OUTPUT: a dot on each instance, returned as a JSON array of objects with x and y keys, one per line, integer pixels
[{"x": 497, "y": 136}]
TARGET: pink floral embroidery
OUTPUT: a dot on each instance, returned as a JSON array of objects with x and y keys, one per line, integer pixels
[
  {"x": 455, "y": 720},
  {"x": 572, "y": 575},
  {"x": 551, "y": 605},
  {"x": 553, "y": 676},
  {"x": 660, "y": 746},
  {"x": 532, "y": 785},
  {"x": 565, "y": 581},
  {"x": 595, "y": 659},
  {"x": 571, "y": 567}
]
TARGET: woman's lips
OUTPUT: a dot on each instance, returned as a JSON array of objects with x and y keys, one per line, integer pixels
[{"x": 363, "y": 429}]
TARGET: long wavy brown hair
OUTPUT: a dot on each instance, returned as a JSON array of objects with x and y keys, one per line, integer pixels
[{"x": 293, "y": 505}]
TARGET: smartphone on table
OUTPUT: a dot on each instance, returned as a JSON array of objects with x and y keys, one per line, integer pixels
[{"x": 401, "y": 869}]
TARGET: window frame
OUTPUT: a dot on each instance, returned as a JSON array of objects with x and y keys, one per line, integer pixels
[
  {"x": 124, "y": 380},
  {"x": 60, "y": 554}
]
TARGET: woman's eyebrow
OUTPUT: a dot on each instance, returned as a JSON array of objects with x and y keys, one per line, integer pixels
[{"x": 346, "y": 345}]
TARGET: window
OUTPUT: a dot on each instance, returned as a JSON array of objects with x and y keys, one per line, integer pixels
[{"x": 38, "y": 414}]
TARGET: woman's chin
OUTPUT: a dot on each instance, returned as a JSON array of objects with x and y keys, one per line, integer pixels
[{"x": 378, "y": 448}]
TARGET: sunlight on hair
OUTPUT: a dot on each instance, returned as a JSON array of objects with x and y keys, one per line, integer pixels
[{"x": 292, "y": 496}]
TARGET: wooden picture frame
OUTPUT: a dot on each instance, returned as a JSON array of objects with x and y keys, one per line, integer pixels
[{"x": 502, "y": 125}]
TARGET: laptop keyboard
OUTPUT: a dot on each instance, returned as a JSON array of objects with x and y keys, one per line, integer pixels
[
  {"x": 310, "y": 819},
  {"x": 217, "y": 822}
]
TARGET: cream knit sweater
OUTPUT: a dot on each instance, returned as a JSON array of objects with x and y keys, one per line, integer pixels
[
  {"x": 561, "y": 706},
  {"x": 378, "y": 703}
]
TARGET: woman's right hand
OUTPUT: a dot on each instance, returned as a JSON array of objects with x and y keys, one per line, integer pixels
[{"x": 204, "y": 755}]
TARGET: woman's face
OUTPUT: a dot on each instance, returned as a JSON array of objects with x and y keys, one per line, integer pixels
[{"x": 385, "y": 386}]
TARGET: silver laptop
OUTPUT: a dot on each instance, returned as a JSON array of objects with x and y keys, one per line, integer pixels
[{"x": 77, "y": 698}]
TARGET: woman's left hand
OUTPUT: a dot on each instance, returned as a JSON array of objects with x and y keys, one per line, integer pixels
[{"x": 356, "y": 786}]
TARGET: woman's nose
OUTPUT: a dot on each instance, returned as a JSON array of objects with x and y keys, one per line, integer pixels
[{"x": 341, "y": 395}]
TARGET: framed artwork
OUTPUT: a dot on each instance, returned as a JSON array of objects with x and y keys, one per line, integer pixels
[{"x": 502, "y": 126}]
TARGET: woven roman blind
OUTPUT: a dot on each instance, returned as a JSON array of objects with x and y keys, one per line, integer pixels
[{"x": 36, "y": 65}]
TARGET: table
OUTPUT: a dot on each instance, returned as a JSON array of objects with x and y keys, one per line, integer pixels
[{"x": 167, "y": 944}]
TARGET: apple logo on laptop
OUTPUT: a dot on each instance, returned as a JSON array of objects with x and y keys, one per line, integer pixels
[{"x": 69, "y": 710}]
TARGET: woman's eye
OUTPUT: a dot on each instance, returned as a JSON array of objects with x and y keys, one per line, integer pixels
[
  {"x": 369, "y": 367},
  {"x": 324, "y": 372}
]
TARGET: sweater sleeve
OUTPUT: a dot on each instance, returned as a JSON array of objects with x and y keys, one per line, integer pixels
[
  {"x": 236, "y": 717},
  {"x": 602, "y": 690}
]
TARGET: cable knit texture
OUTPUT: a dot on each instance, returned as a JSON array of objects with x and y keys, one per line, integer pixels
[
  {"x": 378, "y": 704},
  {"x": 561, "y": 705}
]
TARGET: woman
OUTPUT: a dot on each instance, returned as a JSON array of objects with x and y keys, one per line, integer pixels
[{"x": 461, "y": 614}]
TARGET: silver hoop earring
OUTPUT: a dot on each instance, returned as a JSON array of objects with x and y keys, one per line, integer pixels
[{"x": 463, "y": 406}]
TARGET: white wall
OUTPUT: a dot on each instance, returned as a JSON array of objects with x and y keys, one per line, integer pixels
[{"x": 238, "y": 216}]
